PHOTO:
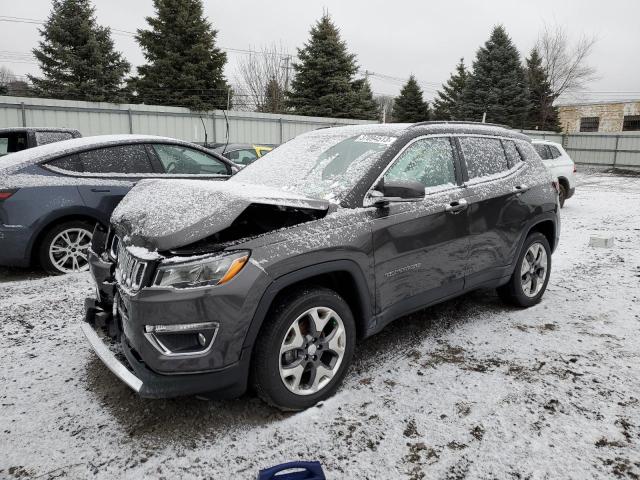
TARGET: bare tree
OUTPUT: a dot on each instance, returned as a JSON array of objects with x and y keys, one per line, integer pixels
[
  {"x": 264, "y": 75},
  {"x": 385, "y": 105},
  {"x": 6, "y": 76},
  {"x": 565, "y": 62}
]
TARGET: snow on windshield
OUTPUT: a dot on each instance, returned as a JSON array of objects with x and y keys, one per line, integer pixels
[{"x": 323, "y": 164}]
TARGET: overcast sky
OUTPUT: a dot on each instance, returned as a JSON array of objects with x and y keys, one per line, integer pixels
[{"x": 393, "y": 38}]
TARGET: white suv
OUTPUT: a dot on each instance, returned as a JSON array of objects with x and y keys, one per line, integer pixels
[{"x": 559, "y": 163}]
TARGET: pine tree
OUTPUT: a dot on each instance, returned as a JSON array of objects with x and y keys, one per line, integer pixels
[
  {"x": 409, "y": 106},
  {"x": 184, "y": 66},
  {"x": 542, "y": 115},
  {"x": 77, "y": 56},
  {"x": 273, "y": 98},
  {"x": 497, "y": 85},
  {"x": 323, "y": 84},
  {"x": 448, "y": 103},
  {"x": 365, "y": 107}
]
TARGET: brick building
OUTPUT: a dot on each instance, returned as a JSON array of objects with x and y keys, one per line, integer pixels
[{"x": 605, "y": 117}]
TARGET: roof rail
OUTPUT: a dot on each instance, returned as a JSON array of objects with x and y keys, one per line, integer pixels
[{"x": 458, "y": 122}]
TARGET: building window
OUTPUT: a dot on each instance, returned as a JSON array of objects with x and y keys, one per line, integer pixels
[
  {"x": 631, "y": 122},
  {"x": 589, "y": 124}
]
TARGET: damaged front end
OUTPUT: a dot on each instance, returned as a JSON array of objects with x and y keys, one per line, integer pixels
[{"x": 164, "y": 291}]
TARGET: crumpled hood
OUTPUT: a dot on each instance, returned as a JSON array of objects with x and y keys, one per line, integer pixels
[{"x": 166, "y": 214}]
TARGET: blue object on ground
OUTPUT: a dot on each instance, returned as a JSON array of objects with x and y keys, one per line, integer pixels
[{"x": 307, "y": 471}]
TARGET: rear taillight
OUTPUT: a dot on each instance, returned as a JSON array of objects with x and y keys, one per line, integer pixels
[
  {"x": 4, "y": 194},
  {"x": 575, "y": 169}
]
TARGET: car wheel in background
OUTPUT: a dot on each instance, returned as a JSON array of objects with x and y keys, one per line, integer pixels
[
  {"x": 64, "y": 247},
  {"x": 529, "y": 280},
  {"x": 562, "y": 194},
  {"x": 304, "y": 349}
]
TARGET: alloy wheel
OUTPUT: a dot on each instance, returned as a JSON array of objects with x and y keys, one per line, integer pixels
[
  {"x": 68, "y": 250},
  {"x": 533, "y": 271},
  {"x": 312, "y": 351}
]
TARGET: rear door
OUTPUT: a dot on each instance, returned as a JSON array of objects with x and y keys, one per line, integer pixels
[
  {"x": 497, "y": 211},
  {"x": 110, "y": 173},
  {"x": 420, "y": 248}
]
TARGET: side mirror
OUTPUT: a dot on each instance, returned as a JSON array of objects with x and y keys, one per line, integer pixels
[{"x": 397, "y": 191}]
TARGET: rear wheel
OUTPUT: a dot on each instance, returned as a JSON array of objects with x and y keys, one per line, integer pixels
[
  {"x": 531, "y": 275},
  {"x": 304, "y": 349},
  {"x": 64, "y": 247}
]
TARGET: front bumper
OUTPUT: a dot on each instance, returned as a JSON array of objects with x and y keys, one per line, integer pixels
[{"x": 228, "y": 382}]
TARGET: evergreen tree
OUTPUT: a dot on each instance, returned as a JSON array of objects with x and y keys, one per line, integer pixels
[
  {"x": 542, "y": 114},
  {"x": 409, "y": 106},
  {"x": 448, "y": 103},
  {"x": 323, "y": 84},
  {"x": 273, "y": 98},
  {"x": 77, "y": 56},
  {"x": 184, "y": 66},
  {"x": 497, "y": 85},
  {"x": 365, "y": 107}
]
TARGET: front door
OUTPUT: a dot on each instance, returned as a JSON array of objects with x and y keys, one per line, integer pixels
[{"x": 421, "y": 247}]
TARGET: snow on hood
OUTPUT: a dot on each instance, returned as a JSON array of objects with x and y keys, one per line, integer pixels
[{"x": 164, "y": 214}]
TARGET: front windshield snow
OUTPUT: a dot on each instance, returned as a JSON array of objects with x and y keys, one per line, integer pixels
[{"x": 321, "y": 164}]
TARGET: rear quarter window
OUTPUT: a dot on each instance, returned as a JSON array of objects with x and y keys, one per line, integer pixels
[
  {"x": 483, "y": 156},
  {"x": 513, "y": 156},
  {"x": 555, "y": 153}
]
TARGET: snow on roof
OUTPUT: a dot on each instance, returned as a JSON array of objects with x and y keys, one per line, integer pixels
[{"x": 18, "y": 160}]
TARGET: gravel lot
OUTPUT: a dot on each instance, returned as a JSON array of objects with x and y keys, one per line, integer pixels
[{"x": 468, "y": 389}]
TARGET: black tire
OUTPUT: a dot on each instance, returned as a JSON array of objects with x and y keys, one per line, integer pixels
[
  {"x": 265, "y": 373},
  {"x": 513, "y": 292},
  {"x": 49, "y": 237},
  {"x": 562, "y": 195}
]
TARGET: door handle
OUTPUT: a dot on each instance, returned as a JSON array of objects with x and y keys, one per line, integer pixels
[
  {"x": 456, "y": 206},
  {"x": 100, "y": 190},
  {"x": 520, "y": 188}
]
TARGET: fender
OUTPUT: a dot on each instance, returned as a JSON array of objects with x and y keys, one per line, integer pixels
[
  {"x": 546, "y": 216},
  {"x": 288, "y": 279}
]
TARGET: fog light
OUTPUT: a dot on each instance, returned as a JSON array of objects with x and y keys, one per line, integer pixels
[{"x": 182, "y": 339}]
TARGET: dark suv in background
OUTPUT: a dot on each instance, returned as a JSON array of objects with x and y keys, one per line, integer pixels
[
  {"x": 20, "y": 138},
  {"x": 52, "y": 196},
  {"x": 269, "y": 278}
]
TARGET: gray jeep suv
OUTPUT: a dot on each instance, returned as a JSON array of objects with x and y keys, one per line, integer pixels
[{"x": 269, "y": 279}]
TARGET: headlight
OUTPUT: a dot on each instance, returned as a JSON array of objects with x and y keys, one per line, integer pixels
[{"x": 208, "y": 271}]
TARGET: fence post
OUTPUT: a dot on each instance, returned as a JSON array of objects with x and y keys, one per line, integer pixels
[
  {"x": 615, "y": 151},
  {"x": 24, "y": 114},
  {"x": 213, "y": 119},
  {"x": 281, "y": 130},
  {"x": 130, "y": 114}
]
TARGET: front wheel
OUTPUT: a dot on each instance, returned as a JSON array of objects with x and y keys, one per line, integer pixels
[
  {"x": 531, "y": 275},
  {"x": 64, "y": 247},
  {"x": 304, "y": 349},
  {"x": 562, "y": 195}
]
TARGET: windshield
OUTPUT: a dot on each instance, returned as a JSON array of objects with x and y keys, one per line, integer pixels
[{"x": 322, "y": 164}]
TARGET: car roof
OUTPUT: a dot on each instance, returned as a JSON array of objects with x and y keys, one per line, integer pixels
[
  {"x": 38, "y": 129},
  {"x": 426, "y": 128},
  {"x": 18, "y": 160}
]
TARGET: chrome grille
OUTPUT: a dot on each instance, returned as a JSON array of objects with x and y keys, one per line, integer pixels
[{"x": 129, "y": 269}]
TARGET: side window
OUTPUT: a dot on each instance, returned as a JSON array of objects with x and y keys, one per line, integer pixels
[
  {"x": 179, "y": 160},
  {"x": 483, "y": 156},
  {"x": 428, "y": 161},
  {"x": 555, "y": 153},
  {"x": 243, "y": 157},
  {"x": 45, "y": 137},
  {"x": 512, "y": 153},
  {"x": 131, "y": 159},
  {"x": 542, "y": 151},
  {"x": 12, "y": 142},
  {"x": 71, "y": 163}
]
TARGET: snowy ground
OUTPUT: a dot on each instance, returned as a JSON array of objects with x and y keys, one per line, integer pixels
[{"x": 468, "y": 389}]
